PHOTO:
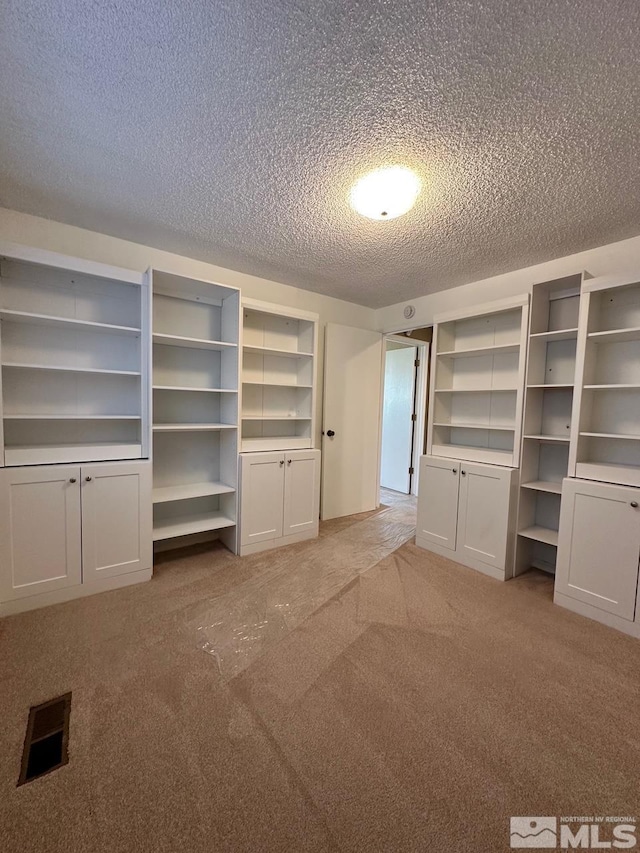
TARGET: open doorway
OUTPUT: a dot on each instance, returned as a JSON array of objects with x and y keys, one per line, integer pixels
[{"x": 404, "y": 412}]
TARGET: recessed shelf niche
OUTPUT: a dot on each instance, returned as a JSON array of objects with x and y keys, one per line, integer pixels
[
  {"x": 606, "y": 439},
  {"x": 195, "y": 409},
  {"x": 278, "y": 378},
  {"x": 548, "y": 406},
  {"x": 74, "y": 363},
  {"x": 476, "y": 397}
]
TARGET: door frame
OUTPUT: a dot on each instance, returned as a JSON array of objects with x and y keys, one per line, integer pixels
[{"x": 421, "y": 388}]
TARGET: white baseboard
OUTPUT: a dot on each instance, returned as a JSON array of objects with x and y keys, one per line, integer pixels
[
  {"x": 490, "y": 571},
  {"x": 44, "y": 599},
  {"x": 630, "y": 628},
  {"x": 257, "y": 547}
]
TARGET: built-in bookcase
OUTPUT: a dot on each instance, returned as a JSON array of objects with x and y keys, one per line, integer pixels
[
  {"x": 606, "y": 435},
  {"x": 476, "y": 383},
  {"x": 74, "y": 346},
  {"x": 195, "y": 407},
  {"x": 550, "y": 377},
  {"x": 278, "y": 377}
]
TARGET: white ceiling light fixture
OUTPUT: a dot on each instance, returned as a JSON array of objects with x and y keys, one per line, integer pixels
[{"x": 387, "y": 193}]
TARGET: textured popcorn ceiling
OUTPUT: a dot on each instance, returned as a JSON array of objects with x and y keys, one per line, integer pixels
[{"x": 231, "y": 130}]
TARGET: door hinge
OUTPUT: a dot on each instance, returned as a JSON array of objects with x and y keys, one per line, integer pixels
[
  {"x": 411, "y": 470},
  {"x": 414, "y": 417},
  {"x": 416, "y": 363}
]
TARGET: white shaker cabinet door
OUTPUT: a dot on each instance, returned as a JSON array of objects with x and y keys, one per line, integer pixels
[
  {"x": 599, "y": 546},
  {"x": 483, "y": 515},
  {"x": 262, "y": 497},
  {"x": 116, "y": 519},
  {"x": 438, "y": 502},
  {"x": 301, "y": 491},
  {"x": 39, "y": 530}
]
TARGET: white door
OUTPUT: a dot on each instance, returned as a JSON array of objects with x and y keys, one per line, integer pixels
[
  {"x": 116, "y": 519},
  {"x": 39, "y": 530},
  {"x": 262, "y": 498},
  {"x": 301, "y": 491},
  {"x": 351, "y": 420},
  {"x": 438, "y": 502},
  {"x": 599, "y": 546},
  {"x": 397, "y": 411},
  {"x": 483, "y": 513}
]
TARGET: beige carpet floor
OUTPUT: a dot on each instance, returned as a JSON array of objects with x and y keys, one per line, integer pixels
[{"x": 350, "y": 694}]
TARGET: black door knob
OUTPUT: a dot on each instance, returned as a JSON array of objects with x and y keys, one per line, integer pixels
[{"x": 330, "y": 433}]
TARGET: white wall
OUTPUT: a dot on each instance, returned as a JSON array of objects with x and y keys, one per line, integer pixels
[
  {"x": 80, "y": 243},
  {"x": 613, "y": 258}
]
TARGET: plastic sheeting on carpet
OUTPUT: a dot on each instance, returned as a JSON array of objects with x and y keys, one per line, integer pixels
[{"x": 238, "y": 626}]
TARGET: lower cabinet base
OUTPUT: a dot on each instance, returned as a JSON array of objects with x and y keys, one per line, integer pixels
[
  {"x": 44, "y": 599},
  {"x": 462, "y": 559},
  {"x": 256, "y": 547},
  {"x": 624, "y": 625}
]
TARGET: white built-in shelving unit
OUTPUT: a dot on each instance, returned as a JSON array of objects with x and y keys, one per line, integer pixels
[
  {"x": 75, "y": 431},
  {"x": 606, "y": 435},
  {"x": 74, "y": 363},
  {"x": 195, "y": 407},
  {"x": 278, "y": 377},
  {"x": 549, "y": 391},
  {"x": 476, "y": 383}
]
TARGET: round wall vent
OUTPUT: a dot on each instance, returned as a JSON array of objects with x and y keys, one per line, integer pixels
[{"x": 409, "y": 311}]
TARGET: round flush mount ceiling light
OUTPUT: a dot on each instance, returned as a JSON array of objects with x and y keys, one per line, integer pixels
[{"x": 386, "y": 193}]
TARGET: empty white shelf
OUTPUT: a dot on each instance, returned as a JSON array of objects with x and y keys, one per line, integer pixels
[
  {"x": 476, "y": 426},
  {"x": 608, "y": 472},
  {"x": 274, "y": 418},
  {"x": 279, "y": 352},
  {"x": 285, "y": 442},
  {"x": 624, "y": 437},
  {"x": 540, "y": 534},
  {"x": 615, "y": 335},
  {"x": 474, "y": 454},
  {"x": 620, "y": 387},
  {"x": 59, "y": 368},
  {"x": 552, "y": 385},
  {"x": 184, "y": 525},
  {"x": 555, "y": 335},
  {"x": 549, "y": 438},
  {"x": 191, "y": 343},
  {"x": 191, "y": 427},
  {"x": 275, "y": 384},
  {"x": 165, "y": 494},
  {"x": 72, "y": 417},
  {"x": 475, "y": 390},
  {"x": 494, "y": 349},
  {"x": 544, "y": 486},
  {"x": 66, "y": 322},
  {"x": 62, "y": 453},
  {"x": 191, "y": 388}
]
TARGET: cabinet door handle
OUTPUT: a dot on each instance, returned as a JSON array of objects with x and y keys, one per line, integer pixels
[
  {"x": 455, "y": 470},
  {"x": 634, "y": 504},
  {"x": 464, "y": 473},
  {"x": 72, "y": 480},
  {"x": 282, "y": 462},
  {"x": 88, "y": 479},
  {"x": 289, "y": 461}
]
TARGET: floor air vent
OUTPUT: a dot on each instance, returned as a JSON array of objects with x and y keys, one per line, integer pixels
[{"x": 47, "y": 739}]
